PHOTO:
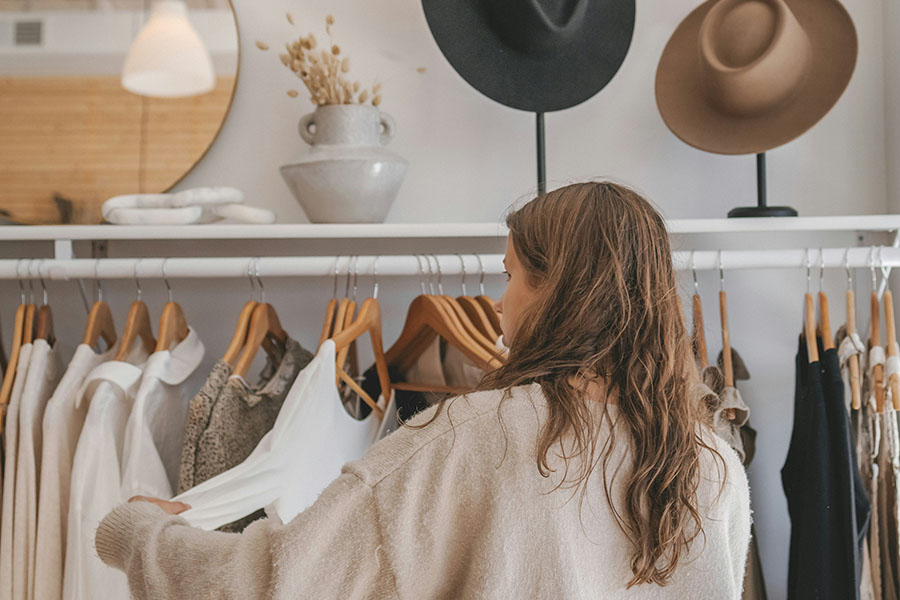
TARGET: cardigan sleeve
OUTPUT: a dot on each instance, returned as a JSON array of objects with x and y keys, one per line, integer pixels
[{"x": 331, "y": 550}]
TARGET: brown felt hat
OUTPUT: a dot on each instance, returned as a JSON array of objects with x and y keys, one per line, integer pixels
[{"x": 745, "y": 76}]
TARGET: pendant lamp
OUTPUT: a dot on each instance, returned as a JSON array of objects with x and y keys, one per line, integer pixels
[{"x": 167, "y": 58}]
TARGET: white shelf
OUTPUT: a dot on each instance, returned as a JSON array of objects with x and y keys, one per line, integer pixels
[
  {"x": 252, "y": 232},
  {"x": 884, "y": 223},
  {"x": 767, "y": 224}
]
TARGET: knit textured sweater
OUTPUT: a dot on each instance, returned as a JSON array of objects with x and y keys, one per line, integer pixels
[{"x": 457, "y": 509}]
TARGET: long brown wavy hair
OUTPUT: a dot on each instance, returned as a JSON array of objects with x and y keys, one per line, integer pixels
[{"x": 607, "y": 309}]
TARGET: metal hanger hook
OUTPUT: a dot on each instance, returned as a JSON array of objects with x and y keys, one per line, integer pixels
[
  {"x": 44, "y": 297},
  {"x": 250, "y": 277},
  {"x": 137, "y": 281},
  {"x": 375, "y": 277},
  {"x": 421, "y": 274},
  {"x": 337, "y": 260},
  {"x": 808, "y": 269},
  {"x": 19, "y": 279},
  {"x": 166, "y": 281},
  {"x": 262, "y": 290},
  {"x": 462, "y": 265},
  {"x": 98, "y": 284},
  {"x": 847, "y": 269},
  {"x": 440, "y": 273},
  {"x": 694, "y": 273},
  {"x": 885, "y": 271},
  {"x": 872, "y": 267},
  {"x": 427, "y": 259},
  {"x": 821, "y": 269},
  {"x": 481, "y": 278},
  {"x": 721, "y": 271},
  {"x": 30, "y": 281},
  {"x": 347, "y": 282},
  {"x": 355, "y": 276}
]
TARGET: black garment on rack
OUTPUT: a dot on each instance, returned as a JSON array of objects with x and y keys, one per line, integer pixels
[
  {"x": 827, "y": 503},
  {"x": 409, "y": 404}
]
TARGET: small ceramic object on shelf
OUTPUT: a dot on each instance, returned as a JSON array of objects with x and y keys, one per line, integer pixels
[
  {"x": 192, "y": 206},
  {"x": 348, "y": 176}
]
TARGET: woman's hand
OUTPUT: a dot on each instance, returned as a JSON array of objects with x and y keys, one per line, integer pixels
[{"x": 173, "y": 508}]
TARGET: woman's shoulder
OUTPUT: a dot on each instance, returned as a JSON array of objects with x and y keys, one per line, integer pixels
[{"x": 465, "y": 423}]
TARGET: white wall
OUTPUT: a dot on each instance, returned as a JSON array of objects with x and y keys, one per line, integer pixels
[
  {"x": 470, "y": 158},
  {"x": 446, "y": 129}
]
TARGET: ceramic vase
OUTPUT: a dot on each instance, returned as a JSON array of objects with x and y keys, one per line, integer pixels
[{"x": 348, "y": 176}]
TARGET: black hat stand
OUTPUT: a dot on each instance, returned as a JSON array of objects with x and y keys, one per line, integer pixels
[
  {"x": 541, "y": 159},
  {"x": 761, "y": 209}
]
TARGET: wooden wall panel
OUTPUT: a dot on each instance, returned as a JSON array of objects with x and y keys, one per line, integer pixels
[{"x": 80, "y": 137}]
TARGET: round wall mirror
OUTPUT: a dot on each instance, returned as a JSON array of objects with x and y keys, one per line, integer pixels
[{"x": 71, "y": 135}]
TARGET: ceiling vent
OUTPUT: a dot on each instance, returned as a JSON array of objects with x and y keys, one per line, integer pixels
[{"x": 28, "y": 33}]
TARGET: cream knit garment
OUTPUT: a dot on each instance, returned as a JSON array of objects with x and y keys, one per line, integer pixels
[{"x": 454, "y": 510}]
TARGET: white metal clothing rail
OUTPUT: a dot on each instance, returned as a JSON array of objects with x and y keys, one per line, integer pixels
[{"x": 448, "y": 265}]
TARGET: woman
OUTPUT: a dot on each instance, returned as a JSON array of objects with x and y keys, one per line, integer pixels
[{"x": 581, "y": 468}]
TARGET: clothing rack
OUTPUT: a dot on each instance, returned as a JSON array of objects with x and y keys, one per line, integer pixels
[{"x": 447, "y": 265}]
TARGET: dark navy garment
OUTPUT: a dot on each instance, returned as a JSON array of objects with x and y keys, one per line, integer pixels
[{"x": 827, "y": 503}]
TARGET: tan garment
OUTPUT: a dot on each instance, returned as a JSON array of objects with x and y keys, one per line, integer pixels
[
  {"x": 228, "y": 418},
  {"x": 456, "y": 509}
]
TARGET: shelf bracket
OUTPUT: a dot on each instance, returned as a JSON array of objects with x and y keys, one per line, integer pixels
[{"x": 62, "y": 250}]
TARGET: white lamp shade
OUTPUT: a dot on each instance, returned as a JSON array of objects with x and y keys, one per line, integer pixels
[{"x": 167, "y": 58}]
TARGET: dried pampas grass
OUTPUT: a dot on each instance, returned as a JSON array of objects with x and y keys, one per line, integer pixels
[{"x": 322, "y": 71}]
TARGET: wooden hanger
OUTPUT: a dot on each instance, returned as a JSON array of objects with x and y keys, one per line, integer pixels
[
  {"x": 476, "y": 313},
  {"x": 487, "y": 303},
  {"x": 462, "y": 320},
  {"x": 28, "y": 332},
  {"x": 474, "y": 310},
  {"x": 892, "y": 350},
  {"x": 173, "y": 327},
  {"x": 699, "y": 333},
  {"x": 10, "y": 374},
  {"x": 809, "y": 319},
  {"x": 264, "y": 323},
  {"x": 875, "y": 340},
  {"x": 240, "y": 333},
  {"x": 367, "y": 321},
  {"x": 812, "y": 348},
  {"x": 100, "y": 324},
  {"x": 328, "y": 323},
  {"x": 855, "y": 382},
  {"x": 727, "y": 366},
  {"x": 137, "y": 326},
  {"x": 823, "y": 326},
  {"x": 458, "y": 319},
  {"x": 345, "y": 315},
  {"x": 44, "y": 327},
  {"x": 427, "y": 318}
]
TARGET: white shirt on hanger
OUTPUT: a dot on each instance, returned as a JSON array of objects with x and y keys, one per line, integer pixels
[
  {"x": 151, "y": 456},
  {"x": 44, "y": 370},
  {"x": 95, "y": 488},
  {"x": 311, "y": 440},
  {"x": 61, "y": 428},
  {"x": 9, "y": 474}
]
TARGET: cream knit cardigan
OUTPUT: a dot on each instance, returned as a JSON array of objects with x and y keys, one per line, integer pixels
[{"x": 457, "y": 509}]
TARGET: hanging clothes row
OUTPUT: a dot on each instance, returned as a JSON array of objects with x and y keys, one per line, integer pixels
[
  {"x": 729, "y": 414},
  {"x": 139, "y": 418}
]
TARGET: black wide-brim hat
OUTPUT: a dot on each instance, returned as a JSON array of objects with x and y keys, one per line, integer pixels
[{"x": 534, "y": 55}]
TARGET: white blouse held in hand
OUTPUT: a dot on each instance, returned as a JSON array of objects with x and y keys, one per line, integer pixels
[{"x": 313, "y": 437}]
